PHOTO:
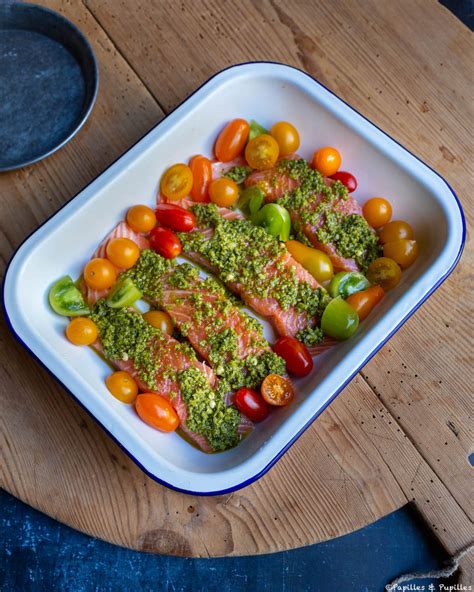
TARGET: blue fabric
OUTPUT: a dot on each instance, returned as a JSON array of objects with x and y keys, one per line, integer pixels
[{"x": 39, "y": 554}]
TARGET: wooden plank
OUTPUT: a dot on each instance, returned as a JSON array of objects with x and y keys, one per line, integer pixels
[{"x": 58, "y": 460}]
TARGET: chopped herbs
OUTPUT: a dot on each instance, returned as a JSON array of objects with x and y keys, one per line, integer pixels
[
  {"x": 148, "y": 271},
  {"x": 310, "y": 336},
  {"x": 208, "y": 414},
  {"x": 238, "y": 173}
]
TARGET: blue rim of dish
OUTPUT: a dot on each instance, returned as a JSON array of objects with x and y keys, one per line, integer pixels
[
  {"x": 336, "y": 393},
  {"x": 84, "y": 117}
]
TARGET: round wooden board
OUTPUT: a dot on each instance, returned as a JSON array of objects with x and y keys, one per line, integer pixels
[{"x": 366, "y": 455}]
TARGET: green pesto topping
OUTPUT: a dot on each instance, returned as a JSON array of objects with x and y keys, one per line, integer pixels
[
  {"x": 310, "y": 336},
  {"x": 124, "y": 336},
  {"x": 350, "y": 234},
  {"x": 352, "y": 237},
  {"x": 208, "y": 414},
  {"x": 238, "y": 173},
  {"x": 184, "y": 276},
  {"x": 147, "y": 273},
  {"x": 241, "y": 252}
]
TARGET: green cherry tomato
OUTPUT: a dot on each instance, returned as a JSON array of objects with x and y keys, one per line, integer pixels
[
  {"x": 346, "y": 283},
  {"x": 275, "y": 219},
  {"x": 65, "y": 299},
  {"x": 256, "y": 130},
  {"x": 124, "y": 293},
  {"x": 339, "y": 319},
  {"x": 251, "y": 200}
]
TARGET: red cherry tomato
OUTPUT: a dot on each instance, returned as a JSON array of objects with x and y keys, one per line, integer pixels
[
  {"x": 175, "y": 217},
  {"x": 346, "y": 179},
  {"x": 251, "y": 404},
  {"x": 165, "y": 242},
  {"x": 201, "y": 169},
  {"x": 296, "y": 355}
]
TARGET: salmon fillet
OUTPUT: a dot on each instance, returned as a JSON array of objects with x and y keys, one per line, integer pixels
[
  {"x": 280, "y": 185},
  {"x": 253, "y": 258}
]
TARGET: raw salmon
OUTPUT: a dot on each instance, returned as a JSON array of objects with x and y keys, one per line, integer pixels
[
  {"x": 276, "y": 184},
  {"x": 279, "y": 266}
]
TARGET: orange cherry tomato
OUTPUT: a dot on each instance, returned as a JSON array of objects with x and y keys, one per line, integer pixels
[
  {"x": 277, "y": 390},
  {"x": 224, "y": 192},
  {"x": 201, "y": 169},
  {"x": 377, "y": 211},
  {"x": 287, "y": 137},
  {"x": 327, "y": 161},
  {"x": 384, "y": 272},
  {"x": 157, "y": 412},
  {"x": 100, "y": 274},
  {"x": 122, "y": 386},
  {"x": 176, "y": 182},
  {"x": 82, "y": 331},
  {"x": 396, "y": 230},
  {"x": 160, "y": 320},
  {"x": 403, "y": 251},
  {"x": 262, "y": 152},
  {"x": 122, "y": 252},
  {"x": 365, "y": 300},
  {"x": 141, "y": 218},
  {"x": 231, "y": 140}
]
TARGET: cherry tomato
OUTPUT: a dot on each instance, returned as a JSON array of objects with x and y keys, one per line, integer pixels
[
  {"x": 231, "y": 140},
  {"x": 122, "y": 252},
  {"x": 160, "y": 320},
  {"x": 176, "y": 182},
  {"x": 251, "y": 404},
  {"x": 287, "y": 137},
  {"x": 327, "y": 161},
  {"x": 396, "y": 230},
  {"x": 296, "y": 355},
  {"x": 346, "y": 179},
  {"x": 122, "y": 386},
  {"x": 165, "y": 242},
  {"x": 157, "y": 412},
  {"x": 403, "y": 251},
  {"x": 316, "y": 262},
  {"x": 175, "y": 217},
  {"x": 224, "y": 192},
  {"x": 339, "y": 320},
  {"x": 365, "y": 300},
  {"x": 377, "y": 211},
  {"x": 141, "y": 218},
  {"x": 100, "y": 274},
  {"x": 384, "y": 272},
  {"x": 277, "y": 390},
  {"x": 201, "y": 169},
  {"x": 262, "y": 152},
  {"x": 82, "y": 331}
]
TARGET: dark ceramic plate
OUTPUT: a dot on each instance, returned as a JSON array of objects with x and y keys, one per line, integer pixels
[{"x": 48, "y": 82}]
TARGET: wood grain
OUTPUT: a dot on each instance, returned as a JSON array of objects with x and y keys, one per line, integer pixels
[{"x": 378, "y": 445}]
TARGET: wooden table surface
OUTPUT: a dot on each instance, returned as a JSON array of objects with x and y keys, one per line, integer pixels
[{"x": 400, "y": 431}]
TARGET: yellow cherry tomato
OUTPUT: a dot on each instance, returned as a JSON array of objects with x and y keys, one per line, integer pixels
[
  {"x": 100, "y": 274},
  {"x": 224, "y": 192},
  {"x": 327, "y": 161},
  {"x": 287, "y": 137},
  {"x": 377, "y": 211},
  {"x": 394, "y": 231},
  {"x": 122, "y": 386},
  {"x": 176, "y": 182},
  {"x": 384, "y": 272},
  {"x": 262, "y": 152},
  {"x": 122, "y": 252},
  {"x": 403, "y": 251},
  {"x": 160, "y": 320},
  {"x": 141, "y": 218},
  {"x": 82, "y": 331},
  {"x": 316, "y": 262}
]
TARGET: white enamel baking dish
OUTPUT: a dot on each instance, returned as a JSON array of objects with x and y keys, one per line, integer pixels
[{"x": 266, "y": 92}]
